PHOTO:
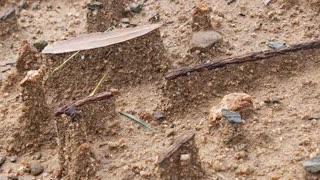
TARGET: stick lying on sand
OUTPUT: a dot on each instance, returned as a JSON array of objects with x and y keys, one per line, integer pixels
[
  {"x": 250, "y": 57},
  {"x": 86, "y": 100}
]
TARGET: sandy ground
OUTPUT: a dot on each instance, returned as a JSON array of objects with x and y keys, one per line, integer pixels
[{"x": 272, "y": 142}]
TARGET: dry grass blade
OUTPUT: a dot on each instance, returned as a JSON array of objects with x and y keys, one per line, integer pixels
[
  {"x": 98, "y": 85},
  {"x": 64, "y": 62},
  {"x": 137, "y": 120},
  {"x": 96, "y": 40}
]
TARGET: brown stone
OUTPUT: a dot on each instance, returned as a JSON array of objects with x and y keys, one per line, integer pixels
[
  {"x": 201, "y": 18},
  {"x": 203, "y": 40}
]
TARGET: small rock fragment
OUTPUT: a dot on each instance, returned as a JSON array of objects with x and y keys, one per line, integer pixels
[
  {"x": 232, "y": 116},
  {"x": 276, "y": 45},
  {"x": 232, "y": 102},
  {"x": 273, "y": 100},
  {"x": 125, "y": 20},
  {"x": 94, "y": 5},
  {"x": 314, "y": 117},
  {"x": 204, "y": 39},
  {"x": 36, "y": 169},
  {"x": 159, "y": 116},
  {"x": 13, "y": 159},
  {"x": 113, "y": 145},
  {"x": 312, "y": 165},
  {"x": 40, "y": 45},
  {"x": 37, "y": 156},
  {"x": 32, "y": 75},
  {"x": 244, "y": 170},
  {"x": 136, "y": 8},
  {"x": 170, "y": 132},
  {"x": 5, "y": 95},
  {"x": 155, "y": 18},
  {"x": 185, "y": 157},
  {"x": 2, "y": 160}
]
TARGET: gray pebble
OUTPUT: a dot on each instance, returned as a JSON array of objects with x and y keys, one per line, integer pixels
[
  {"x": 125, "y": 20},
  {"x": 136, "y": 8},
  {"x": 159, "y": 116},
  {"x": 312, "y": 165},
  {"x": 13, "y": 159},
  {"x": 276, "y": 45},
  {"x": 204, "y": 39},
  {"x": 314, "y": 117},
  {"x": 95, "y": 5},
  {"x": 36, "y": 169},
  {"x": 232, "y": 116},
  {"x": 40, "y": 45}
]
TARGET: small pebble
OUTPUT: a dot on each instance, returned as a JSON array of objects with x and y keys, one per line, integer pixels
[
  {"x": 185, "y": 157},
  {"x": 113, "y": 145},
  {"x": 244, "y": 170},
  {"x": 2, "y": 160},
  {"x": 94, "y": 5},
  {"x": 37, "y": 156},
  {"x": 314, "y": 117},
  {"x": 232, "y": 116},
  {"x": 13, "y": 159},
  {"x": 40, "y": 45},
  {"x": 276, "y": 45},
  {"x": 204, "y": 39},
  {"x": 273, "y": 100},
  {"x": 125, "y": 20},
  {"x": 5, "y": 95},
  {"x": 136, "y": 8},
  {"x": 312, "y": 165},
  {"x": 254, "y": 35},
  {"x": 159, "y": 116},
  {"x": 170, "y": 132},
  {"x": 36, "y": 169}
]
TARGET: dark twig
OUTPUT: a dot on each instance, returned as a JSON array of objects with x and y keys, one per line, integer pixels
[
  {"x": 65, "y": 109},
  {"x": 181, "y": 140},
  {"x": 250, "y": 57}
]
